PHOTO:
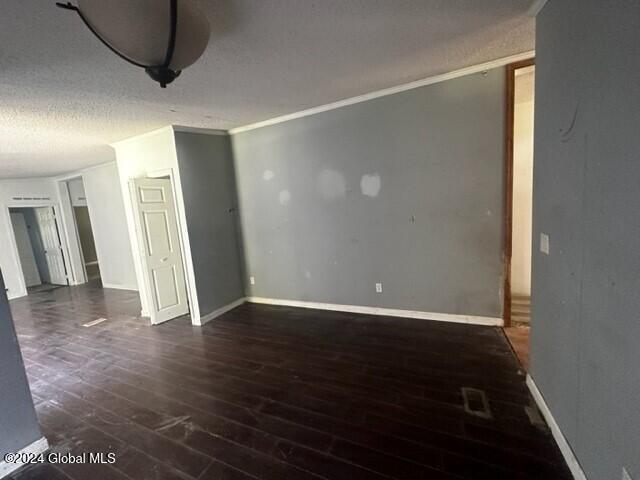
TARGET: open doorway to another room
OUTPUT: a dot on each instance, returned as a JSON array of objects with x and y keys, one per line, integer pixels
[
  {"x": 39, "y": 248},
  {"x": 83, "y": 229},
  {"x": 518, "y": 225}
]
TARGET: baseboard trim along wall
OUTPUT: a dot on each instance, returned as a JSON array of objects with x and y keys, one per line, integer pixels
[
  {"x": 39, "y": 446},
  {"x": 120, "y": 287},
  {"x": 216, "y": 313},
  {"x": 388, "y": 312},
  {"x": 565, "y": 448}
]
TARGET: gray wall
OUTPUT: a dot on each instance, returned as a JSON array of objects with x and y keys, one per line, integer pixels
[
  {"x": 432, "y": 234},
  {"x": 586, "y": 293},
  {"x": 18, "y": 423},
  {"x": 208, "y": 188}
]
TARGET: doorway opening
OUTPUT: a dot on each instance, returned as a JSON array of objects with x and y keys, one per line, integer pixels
[
  {"x": 519, "y": 206},
  {"x": 84, "y": 230},
  {"x": 39, "y": 248}
]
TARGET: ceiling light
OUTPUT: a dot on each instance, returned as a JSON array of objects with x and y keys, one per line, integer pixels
[{"x": 161, "y": 36}]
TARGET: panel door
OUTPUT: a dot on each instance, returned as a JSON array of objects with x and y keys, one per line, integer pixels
[{"x": 157, "y": 227}]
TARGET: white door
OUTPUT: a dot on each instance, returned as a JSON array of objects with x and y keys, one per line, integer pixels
[
  {"x": 25, "y": 250},
  {"x": 157, "y": 230},
  {"x": 51, "y": 243}
]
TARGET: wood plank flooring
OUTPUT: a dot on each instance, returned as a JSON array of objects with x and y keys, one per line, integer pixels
[
  {"x": 518, "y": 336},
  {"x": 273, "y": 393}
]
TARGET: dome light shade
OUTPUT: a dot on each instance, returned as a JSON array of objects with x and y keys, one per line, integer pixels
[{"x": 162, "y": 36}]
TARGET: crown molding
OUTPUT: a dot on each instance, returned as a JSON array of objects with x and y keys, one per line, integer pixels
[
  {"x": 536, "y": 7},
  {"x": 204, "y": 131},
  {"x": 388, "y": 91}
]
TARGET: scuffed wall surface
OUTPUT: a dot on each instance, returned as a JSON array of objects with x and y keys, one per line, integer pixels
[
  {"x": 406, "y": 190},
  {"x": 586, "y": 298},
  {"x": 18, "y": 422}
]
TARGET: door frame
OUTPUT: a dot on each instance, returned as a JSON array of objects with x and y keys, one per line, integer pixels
[
  {"x": 31, "y": 247},
  {"x": 507, "y": 248},
  {"x": 80, "y": 276},
  {"x": 72, "y": 236},
  {"x": 14, "y": 245}
]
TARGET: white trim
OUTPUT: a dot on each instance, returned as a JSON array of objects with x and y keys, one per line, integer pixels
[
  {"x": 388, "y": 91},
  {"x": 120, "y": 287},
  {"x": 79, "y": 275},
  {"x": 220, "y": 311},
  {"x": 563, "y": 444},
  {"x": 39, "y": 446},
  {"x": 536, "y": 7},
  {"x": 389, "y": 312},
  {"x": 205, "y": 131}
]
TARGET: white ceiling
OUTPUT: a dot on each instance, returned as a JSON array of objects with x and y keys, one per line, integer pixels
[{"x": 64, "y": 97}]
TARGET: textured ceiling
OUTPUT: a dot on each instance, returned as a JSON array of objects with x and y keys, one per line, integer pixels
[{"x": 64, "y": 96}]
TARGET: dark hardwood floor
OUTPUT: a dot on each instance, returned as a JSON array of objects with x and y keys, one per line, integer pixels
[{"x": 273, "y": 393}]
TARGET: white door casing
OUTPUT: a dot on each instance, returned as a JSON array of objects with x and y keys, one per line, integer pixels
[
  {"x": 25, "y": 250},
  {"x": 52, "y": 246},
  {"x": 157, "y": 232}
]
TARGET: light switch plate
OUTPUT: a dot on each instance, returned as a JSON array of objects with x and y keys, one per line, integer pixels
[
  {"x": 378, "y": 288},
  {"x": 625, "y": 474},
  {"x": 544, "y": 243},
  {"x": 252, "y": 280}
]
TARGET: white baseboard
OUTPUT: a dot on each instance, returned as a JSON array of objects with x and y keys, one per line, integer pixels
[
  {"x": 565, "y": 448},
  {"x": 39, "y": 446},
  {"x": 119, "y": 287},
  {"x": 388, "y": 312},
  {"x": 216, "y": 313}
]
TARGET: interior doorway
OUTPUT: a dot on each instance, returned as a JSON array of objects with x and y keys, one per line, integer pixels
[
  {"x": 39, "y": 248},
  {"x": 84, "y": 230},
  {"x": 519, "y": 205}
]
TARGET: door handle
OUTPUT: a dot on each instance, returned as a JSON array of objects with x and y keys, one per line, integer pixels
[{"x": 164, "y": 259}]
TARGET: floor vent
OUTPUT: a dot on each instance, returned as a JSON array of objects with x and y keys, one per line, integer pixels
[
  {"x": 476, "y": 403},
  {"x": 94, "y": 322}
]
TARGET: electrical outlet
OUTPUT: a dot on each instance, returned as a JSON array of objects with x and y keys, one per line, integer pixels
[
  {"x": 544, "y": 243},
  {"x": 252, "y": 280},
  {"x": 378, "y": 288},
  {"x": 625, "y": 474}
]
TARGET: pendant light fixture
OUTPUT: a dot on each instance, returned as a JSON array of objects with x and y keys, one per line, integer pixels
[{"x": 161, "y": 36}]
